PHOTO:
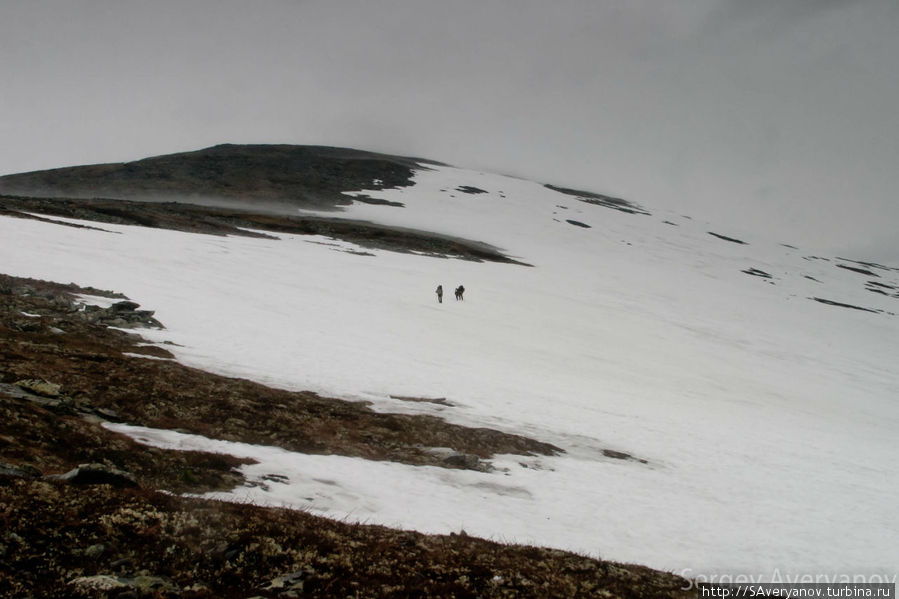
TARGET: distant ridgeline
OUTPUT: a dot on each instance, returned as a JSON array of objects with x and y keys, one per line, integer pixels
[
  {"x": 601, "y": 200},
  {"x": 303, "y": 176},
  {"x": 238, "y": 190}
]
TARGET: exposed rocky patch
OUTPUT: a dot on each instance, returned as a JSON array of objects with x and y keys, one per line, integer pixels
[
  {"x": 213, "y": 220},
  {"x": 726, "y": 238},
  {"x": 96, "y": 474},
  {"x": 577, "y": 223},
  {"x": 470, "y": 189},
  {"x": 863, "y": 271},
  {"x": 298, "y": 176},
  {"x": 442, "y": 401},
  {"x": 873, "y": 265},
  {"x": 621, "y": 455},
  {"x": 598, "y": 199},
  {"x": 842, "y": 305},
  {"x": 756, "y": 273},
  {"x": 882, "y": 289},
  {"x": 365, "y": 199},
  {"x": 63, "y": 442}
]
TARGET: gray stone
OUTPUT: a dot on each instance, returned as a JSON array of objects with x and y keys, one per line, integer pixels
[
  {"x": 107, "y": 582},
  {"x": 101, "y": 582},
  {"x": 96, "y": 474},
  {"x": 40, "y": 387},
  {"x": 108, "y": 414},
  {"x": 465, "y": 461},
  {"x": 288, "y": 583},
  {"x": 7, "y": 469},
  {"x": 124, "y": 306}
]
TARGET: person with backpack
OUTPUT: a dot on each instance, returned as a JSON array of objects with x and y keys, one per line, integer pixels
[
  {"x": 459, "y": 291},
  {"x": 439, "y": 294}
]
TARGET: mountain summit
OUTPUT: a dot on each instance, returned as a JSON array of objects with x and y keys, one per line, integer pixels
[{"x": 301, "y": 176}]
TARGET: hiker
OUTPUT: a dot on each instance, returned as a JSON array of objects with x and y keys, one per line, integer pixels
[
  {"x": 439, "y": 294},
  {"x": 459, "y": 291}
]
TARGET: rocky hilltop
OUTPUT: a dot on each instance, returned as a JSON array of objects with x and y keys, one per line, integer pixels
[{"x": 286, "y": 175}]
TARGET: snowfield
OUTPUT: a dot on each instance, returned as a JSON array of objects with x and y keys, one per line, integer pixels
[{"x": 767, "y": 420}]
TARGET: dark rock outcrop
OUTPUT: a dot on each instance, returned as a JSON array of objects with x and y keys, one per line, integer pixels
[
  {"x": 96, "y": 474},
  {"x": 597, "y": 199},
  {"x": 228, "y": 174}
]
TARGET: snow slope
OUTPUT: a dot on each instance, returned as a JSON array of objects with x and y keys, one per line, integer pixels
[{"x": 767, "y": 420}]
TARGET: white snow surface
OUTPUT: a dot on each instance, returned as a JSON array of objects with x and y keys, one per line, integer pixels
[{"x": 768, "y": 420}]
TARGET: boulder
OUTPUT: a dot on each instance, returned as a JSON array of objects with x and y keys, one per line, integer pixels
[
  {"x": 40, "y": 387},
  {"x": 145, "y": 585},
  {"x": 290, "y": 584},
  {"x": 124, "y": 306},
  {"x": 466, "y": 461},
  {"x": 96, "y": 474},
  {"x": 7, "y": 469}
]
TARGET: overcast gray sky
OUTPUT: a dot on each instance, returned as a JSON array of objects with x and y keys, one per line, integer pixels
[{"x": 755, "y": 114}]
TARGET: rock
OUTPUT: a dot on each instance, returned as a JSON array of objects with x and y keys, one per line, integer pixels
[
  {"x": 123, "y": 563},
  {"x": 108, "y": 414},
  {"x": 124, "y": 306},
  {"x": 227, "y": 551},
  {"x": 26, "y": 326},
  {"x": 101, "y": 582},
  {"x": 40, "y": 387},
  {"x": 620, "y": 455},
  {"x": 96, "y": 474},
  {"x": 465, "y": 461},
  {"x": 290, "y": 583},
  {"x": 150, "y": 583},
  {"x": 578, "y": 223},
  {"x": 7, "y": 469},
  {"x": 106, "y": 582}
]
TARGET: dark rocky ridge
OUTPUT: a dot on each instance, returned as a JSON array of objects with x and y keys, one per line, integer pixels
[
  {"x": 228, "y": 188},
  {"x": 216, "y": 220},
  {"x": 598, "y": 199},
  {"x": 726, "y": 238},
  {"x": 252, "y": 175}
]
